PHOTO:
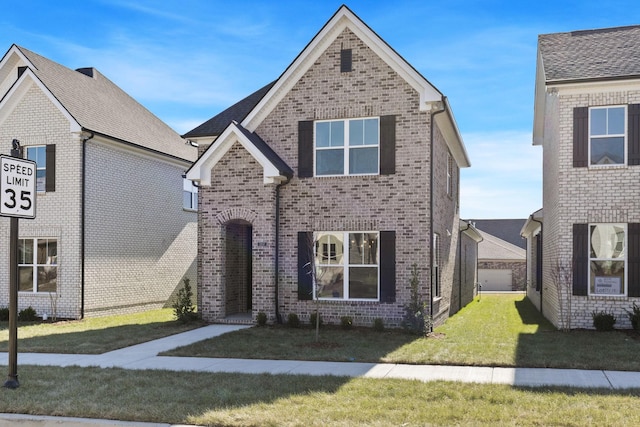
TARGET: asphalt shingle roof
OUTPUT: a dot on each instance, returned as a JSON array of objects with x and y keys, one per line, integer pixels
[
  {"x": 592, "y": 54},
  {"x": 99, "y": 105},
  {"x": 238, "y": 111},
  {"x": 494, "y": 248},
  {"x": 505, "y": 229}
]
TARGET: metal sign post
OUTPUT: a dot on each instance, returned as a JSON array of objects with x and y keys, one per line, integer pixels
[{"x": 17, "y": 200}]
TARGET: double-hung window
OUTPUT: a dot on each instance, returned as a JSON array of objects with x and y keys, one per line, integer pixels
[
  {"x": 607, "y": 135},
  {"x": 346, "y": 265},
  {"x": 189, "y": 195},
  {"x": 38, "y": 154},
  {"x": 347, "y": 147},
  {"x": 607, "y": 259},
  {"x": 37, "y": 265},
  {"x": 436, "y": 266}
]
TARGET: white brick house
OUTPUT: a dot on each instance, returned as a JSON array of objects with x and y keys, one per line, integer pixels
[
  {"x": 111, "y": 234},
  {"x": 349, "y": 162},
  {"x": 584, "y": 246}
]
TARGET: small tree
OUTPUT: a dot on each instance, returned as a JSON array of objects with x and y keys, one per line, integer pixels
[
  {"x": 561, "y": 276},
  {"x": 415, "y": 319},
  {"x": 183, "y": 306}
]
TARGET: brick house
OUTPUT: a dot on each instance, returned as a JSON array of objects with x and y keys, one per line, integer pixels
[
  {"x": 584, "y": 245},
  {"x": 330, "y": 166},
  {"x": 111, "y": 234}
]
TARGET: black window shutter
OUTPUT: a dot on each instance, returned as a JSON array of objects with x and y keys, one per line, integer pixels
[
  {"x": 345, "y": 61},
  {"x": 387, "y": 266},
  {"x": 633, "y": 112},
  {"x": 580, "y": 137},
  {"x": 305, "y": 149},
  {"x": 305, "y": 279},
  {"x": 580, "y": 259},
  {"x": 633, "y": 259},
  {"x": 387, "y": 145},
  {"x": 50, "y": 181}
]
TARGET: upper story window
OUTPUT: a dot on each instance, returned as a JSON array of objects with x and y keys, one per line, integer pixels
[
  {"x": 347, "y": 147},
  {"x": 607, "y": 259},
  {"x": 38, "y": 154},
  {"x": 607, "y": 135},
  {"x": 189, "y": 195},
  {"x": 450, "y": 169}
]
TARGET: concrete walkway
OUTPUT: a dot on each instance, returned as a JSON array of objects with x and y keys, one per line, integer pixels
[{"x": 145, "y": 356}]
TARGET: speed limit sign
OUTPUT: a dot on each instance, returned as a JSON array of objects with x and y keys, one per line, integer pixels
[{"x": 17, "y": 187}]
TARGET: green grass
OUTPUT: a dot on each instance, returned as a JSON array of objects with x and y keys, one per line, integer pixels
[
  {"x": 290, "y": 400},
  {"x": 497, "y": 330},
  {"x": 94, "y": 335}
]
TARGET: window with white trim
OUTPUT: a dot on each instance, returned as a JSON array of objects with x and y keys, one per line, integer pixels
[
  {"x": 189, "y": 195},
  {"x": 607, "y": 135},
  {"x": 607, "y": 259},
  {"x": 38, "y": 154},
  {"x": 37, "y": 265},
  {"x": 347, "y": 147},
  {"x": 346, "y": 265}
]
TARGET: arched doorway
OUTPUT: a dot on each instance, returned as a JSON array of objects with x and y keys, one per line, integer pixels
[{"x": 238, "y": 268}]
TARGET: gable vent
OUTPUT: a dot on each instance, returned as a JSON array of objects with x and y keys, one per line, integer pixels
[{"x": 345, "y": 61}]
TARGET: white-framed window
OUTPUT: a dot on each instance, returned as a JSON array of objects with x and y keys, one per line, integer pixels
[
  {"x": 607, "y": 259},
  {"x": 347, "y": 266},
  {"x": 347, "y": 147},
  {"x": 436, "y": 266},
  {"x": 189, "y": 195},
  {"x": 607, "y": 135},
  {"x": 38, "y": 154},
  {"x": 37, "y": 265}
]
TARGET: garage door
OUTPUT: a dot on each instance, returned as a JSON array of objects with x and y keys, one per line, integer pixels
[{"x": 494, "y": 280}]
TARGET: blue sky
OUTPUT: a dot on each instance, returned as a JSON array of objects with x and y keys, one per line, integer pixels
[{"x": 188, "y": 60}]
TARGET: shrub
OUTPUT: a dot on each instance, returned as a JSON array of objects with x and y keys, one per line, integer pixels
[
  {"x": 4, "y": 314},
  {"x": 634, "y": 317},
  {"x": 27, "y": 315},
  {"x": 415, "y": 320},
  {"x": 603, "y": 321},
  {"x": 346, "y": 322},
  {"x": 312, "y": 319},
  {"x": 293, "y": 320},
  {"x": 183, "y": 306},
  {"x": 261, "y": 318},
  {"x": 378, "y": 325}
]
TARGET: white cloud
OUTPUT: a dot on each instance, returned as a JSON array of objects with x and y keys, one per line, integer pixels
[{"x": 505, "y": 178}]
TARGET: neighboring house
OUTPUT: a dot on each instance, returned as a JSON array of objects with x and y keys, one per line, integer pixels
[
  {"x": 111, "y": 234},
  {"x": 331, "y": 166},
  {"x": 587, "y": 120},
  {"x": 502, "y": 258}
]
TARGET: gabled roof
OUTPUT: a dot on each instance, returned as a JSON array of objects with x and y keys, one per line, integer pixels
[
  {"x": 98, "y": 105},
  {"x": 598, "y": 54},
  {"x": 342, "y": 19},
  {"x": 495, "y": 249},
  {"x": 275, "y": 170},
  {"x": 504, "y": 229},
  {"x": 238, "y": 111}
]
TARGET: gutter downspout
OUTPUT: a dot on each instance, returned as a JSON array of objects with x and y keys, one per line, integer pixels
[
  {"x": 277, "y": 260},
  {"x": 432, "y": 206},
  {"x": 541, "y": 241},
  {"x": 82, "y": 220}
]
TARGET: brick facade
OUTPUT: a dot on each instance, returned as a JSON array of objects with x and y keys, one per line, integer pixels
[
  {"x": 139, "y": 241},
  {"x": 400, "y": 202}
]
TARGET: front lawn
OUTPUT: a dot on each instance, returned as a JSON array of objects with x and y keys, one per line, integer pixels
[
  {"x": 94, "y": 335},
  {"x": 496, "y": 330}
]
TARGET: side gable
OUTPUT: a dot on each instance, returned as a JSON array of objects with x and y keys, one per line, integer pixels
[{"x": 275, "y": 170}]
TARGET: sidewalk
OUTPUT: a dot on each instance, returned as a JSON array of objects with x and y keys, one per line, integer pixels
[{"x": 145, "y": 356}]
